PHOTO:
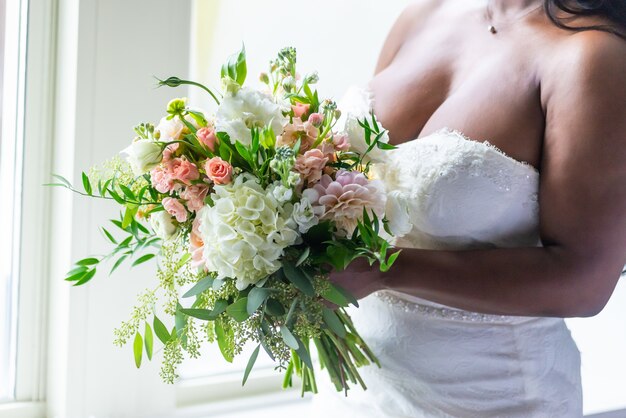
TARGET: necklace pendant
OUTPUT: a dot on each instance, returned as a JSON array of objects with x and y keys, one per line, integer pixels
[{"x": 492, "y": 29}]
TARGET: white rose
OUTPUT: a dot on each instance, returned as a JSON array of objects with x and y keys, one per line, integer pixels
[
  {"x": 163, "y": 225},
  {"x": 245, "y": 109},
  {"x": 304, "y": 215},
  {"x": 143, "y": 155},
  {"x": 170, "y": 130}
]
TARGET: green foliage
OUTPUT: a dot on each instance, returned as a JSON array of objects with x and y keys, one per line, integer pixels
[{"x": 236, "y": 68}]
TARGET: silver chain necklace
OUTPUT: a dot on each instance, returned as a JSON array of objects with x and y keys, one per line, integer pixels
[{"x": 489, "y": 16}]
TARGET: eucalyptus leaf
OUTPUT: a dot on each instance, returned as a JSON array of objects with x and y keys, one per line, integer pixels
[
  {"x": 256, "y": 297},
  {"x": 238, "y": 310},
  {"x": 161, "y": 330},
  {"x": 143, "y": 259},
  {"x": 288, "y": 338},
  {"x": 223, "y": 335},
  {"x": 87, "y": 184},
  {"x": 250, "y": 364},
  {"x": 148, "y": 341},
  {"x": 297, "y": 277},
  {"x": 201, "y": 286},
  {"x": 333, "y": 322},
  {"x": 138, "y": 349}
]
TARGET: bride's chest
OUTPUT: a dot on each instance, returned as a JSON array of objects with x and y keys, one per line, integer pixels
[{"x": 491, "y": 93}]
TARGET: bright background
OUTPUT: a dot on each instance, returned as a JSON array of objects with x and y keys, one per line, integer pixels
[{"x": 93, "y": 82}]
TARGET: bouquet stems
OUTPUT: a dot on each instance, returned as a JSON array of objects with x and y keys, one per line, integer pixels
[{"x": 341, "y": 356}]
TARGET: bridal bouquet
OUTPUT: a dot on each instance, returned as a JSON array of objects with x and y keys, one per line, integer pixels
[{"x": 246, "y": 212}]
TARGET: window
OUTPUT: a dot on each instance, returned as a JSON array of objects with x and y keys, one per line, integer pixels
[{"x": 10, "y": 187}]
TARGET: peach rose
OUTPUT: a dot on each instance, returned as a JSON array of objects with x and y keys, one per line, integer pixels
[
  {"x": 305, "y": 131},
  {"x": 207, "y": 137},
  {"x": 182, "y": 170},
  {"x": 218, "y": 170},
  {"x": 196, "y": 245},
  {"x": 175, "y": 208},
  {"x": 311, "y": 164},
  {"x": 341, "y": 142}
]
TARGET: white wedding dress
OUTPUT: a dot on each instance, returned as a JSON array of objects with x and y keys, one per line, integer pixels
[{"x": 439, "y": 361}]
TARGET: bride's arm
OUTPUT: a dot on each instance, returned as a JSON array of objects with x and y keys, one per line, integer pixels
[{"x": 582, "y": 209}]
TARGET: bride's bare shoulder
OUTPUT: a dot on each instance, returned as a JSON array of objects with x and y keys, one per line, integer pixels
[{"x": 412, "y": 18}]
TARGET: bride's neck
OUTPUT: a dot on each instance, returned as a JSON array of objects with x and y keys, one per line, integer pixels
[{"x": 511, "y": 8}]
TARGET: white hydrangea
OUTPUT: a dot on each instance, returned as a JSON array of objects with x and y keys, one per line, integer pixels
[
  {"x": 245, "y": 109},
  {"x": 246, "y": 231},
  {"x": 280, "y": 192}
]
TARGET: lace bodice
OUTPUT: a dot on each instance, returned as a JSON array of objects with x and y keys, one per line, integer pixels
[{"x": 459, "y": 193}]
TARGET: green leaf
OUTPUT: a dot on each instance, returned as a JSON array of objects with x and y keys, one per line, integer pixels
[
  {"x": 347, "y": 295},
  {"x": 256, "y": 297},
  {"x": 138, "y": 349},
  {"x": 201, "y": 286},
  {"x": 149, "y": 341},
  {"x": 297, "y": 277},
  {"x": 251, "y": 362},
  {"x": 303, "y": 353},
  {"x": 118, "y": 263},
  {"x": 275, "y": 308},
  {"x": 238, "y": 310},
  {"x": 109, "y": 236},
  {"x": 88, "y": 261},
  {"x": 392, "y": 258},
  {"x": 180, "y": 320},
  {"x": 86, "y": 278},
  {"x": 332, "y": 294},
  {"x": 333, "y": 322},
  {"x": 87, "y": 184},
  {"x": 288, "y": 338},
  {"x": 203, "y": 314},
  {"x": 63, "y": 180},
  {"x": 161, "y": 330},
  {"x": 127, "y": 192},
  {"x": 143, "y": 259},
  {"x": 222, "y": 335},
  {"x": 303, "y": 256}
]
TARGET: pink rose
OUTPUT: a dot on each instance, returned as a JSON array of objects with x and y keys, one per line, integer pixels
[
  {"x": 311, "y": 164},
  {"x": 207, "y": 137},
  {"x": 218, "y": 170},
  {"x": 316, "y": 119},
  {"x": 299, "y": 109},
  {"x": 161, "y": 180},
  {"x": 341, "y": 142},
  {"x": 194, "y": 195},
  {"x": 175, "y": 208},
  {"x": 183, "y": 170}
]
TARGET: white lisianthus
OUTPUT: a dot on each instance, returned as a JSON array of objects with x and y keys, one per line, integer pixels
[
  {"x": 170, "y": 130},
  {"x": 356, "y": 105},
  {"x": 245, "y": 109},
  {"x": 304, "y": 215},
  {"x": 143, "y": 155},
  {"x": 397, "y": 213},
  {"x": 163, "y": 225},
  {"x": 246, "y": 231}
]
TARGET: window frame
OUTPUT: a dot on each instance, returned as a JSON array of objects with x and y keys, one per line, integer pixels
[{"x": 34, "y": 103}]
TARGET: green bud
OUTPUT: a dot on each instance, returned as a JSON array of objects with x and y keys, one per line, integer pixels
[
  {"x": 171, "y": 82},
  {"x": 177, "y": 106},
  {"x": 265, "y": 79},
  {"x": 312, "y": 78},
  {"x": 289, "y": 83}
]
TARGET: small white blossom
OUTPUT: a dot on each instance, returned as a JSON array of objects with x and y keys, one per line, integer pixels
[{"x": 304, "y": 215}]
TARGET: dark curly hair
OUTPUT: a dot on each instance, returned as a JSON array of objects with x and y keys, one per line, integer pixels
[{"x": 612, "y": 10}]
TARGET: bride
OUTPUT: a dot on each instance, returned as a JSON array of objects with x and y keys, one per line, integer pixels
[{"x": 510, "y": 121}]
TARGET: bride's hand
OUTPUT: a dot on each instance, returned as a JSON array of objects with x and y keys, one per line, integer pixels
[{"x": 359, "y": 278}]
